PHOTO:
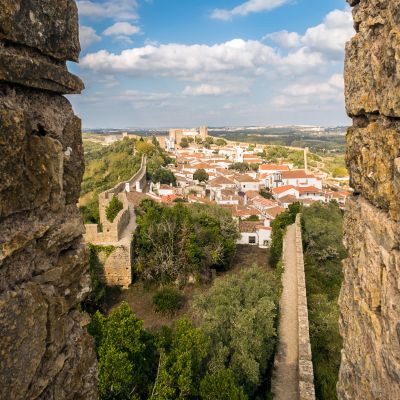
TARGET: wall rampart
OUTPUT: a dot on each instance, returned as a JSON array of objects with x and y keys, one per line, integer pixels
[{"x": 306, "y": 371}]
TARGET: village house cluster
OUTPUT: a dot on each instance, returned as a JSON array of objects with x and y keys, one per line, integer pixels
[{"x": 255, "y": 196}]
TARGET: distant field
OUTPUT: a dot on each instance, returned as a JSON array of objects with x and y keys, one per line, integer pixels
[{"x": 330, "y": 142}]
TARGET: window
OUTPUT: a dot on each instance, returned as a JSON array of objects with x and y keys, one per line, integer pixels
[
  {"x": 252, "y": 240},
  {"x": 266, "y": 243}
]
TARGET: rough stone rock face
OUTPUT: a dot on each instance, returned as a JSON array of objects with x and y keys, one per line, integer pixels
[
  {"x": 45, "y": 351},
  {"x": 370, "y": 296}
]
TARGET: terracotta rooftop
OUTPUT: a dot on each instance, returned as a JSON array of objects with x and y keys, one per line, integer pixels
[
  {"x": 308, "y": 189},
  {"x": 282, "y": 189},
  {"x": 273, "y": 167},
  {"x": 296, "y": 174},
  {"x": 251, "y": 194},
  {"x": 249, "y": 226},
  {"x": 243, "y": 211},
  {"x": 288, "y": 199},
  {"x": 221, "y": 180},
  {"x": 244, "y": 178},
  {"x": 274, "y": 211},
  {"x": 202, "y": 166}
]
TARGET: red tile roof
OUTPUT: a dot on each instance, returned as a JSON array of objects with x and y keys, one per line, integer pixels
[
  {"x": 244, "y": 178},
  {"x": 296, "y": 174},
  {"x": 273, "y": 167},
  {"x": 308, "y": 189},
  {"x": 274, "y": 211},
  {"x": 220, "y": 180},
  {"x": 282, "y": 189}
]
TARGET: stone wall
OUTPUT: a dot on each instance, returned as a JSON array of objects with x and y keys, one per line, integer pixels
[
  {"x": 112, "y": 232},
  {"x": 118, "y": 266},
  {"x": 370, "y": 296},
  {"x": 45, "y": 351},
  {"x": 306, "y": 371}
]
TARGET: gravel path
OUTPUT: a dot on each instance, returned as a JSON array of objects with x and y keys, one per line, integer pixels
[{"x": 285, "y": 378}]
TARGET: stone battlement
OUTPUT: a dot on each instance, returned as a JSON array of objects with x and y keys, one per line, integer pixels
[
  {"x": 113, "y": 232},
  {"x": 306, "y": 371},
  {"x": 118, "y": 266}
]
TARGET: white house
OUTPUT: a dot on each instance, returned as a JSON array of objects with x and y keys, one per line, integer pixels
[
  {"x": 283, "y": 191},
  {"x": 300, "y": 178},
  {"x": 202, "y": 165},
  {"x": 244, "y": 183},
  {"x": 221, "y": 182},
  {"x": 311, "y": 192},
  {"x": 254, "y": 233},
  {"x": 272, "y": 168}
]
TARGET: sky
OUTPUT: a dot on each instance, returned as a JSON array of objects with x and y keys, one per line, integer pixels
[{"x": 186, "y": 63}]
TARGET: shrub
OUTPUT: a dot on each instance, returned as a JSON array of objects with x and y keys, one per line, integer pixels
[
  {"x": 113, "y": 208},
  {"x": 167, "y": 300},
  {"x": 201, "y": 175}
]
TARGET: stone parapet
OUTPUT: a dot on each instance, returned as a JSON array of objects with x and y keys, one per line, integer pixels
[
  {"x": 306, "y": 372},
  {"x": 370, "y": 295},
  {"x": 112, "y": 232},
  {"x": 45, "y": 350},
  {"x": 118, "y": 266}
]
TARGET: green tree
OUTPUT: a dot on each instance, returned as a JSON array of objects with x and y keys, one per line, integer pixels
[
  {"x": 164, "y": 176},
  {"x": 266, "y": 193},
  {"x": 155, "y": 142},
  {"x": 221, "y": 142},
  {"x": 126, "y": 355},
  {"x": 146, "y": 148},
  {"x": 221, "y": 385},
  {"x": 254, "y": 167},
  {"x": 279, "y": 225},
  {"x": 184, "y": 143},
  {"x": 238, "y": 314},
  {"x": 323, "y": 255},
  {"x": 190, "y": 139},
  {"x": 209, "y": 140},
  {"x": 240, "y": 167},
  {"x": 201, "y": 175},
  {"x": 113, "y": 208},
  {"x": 181, "y": 364},
  {"x": 188, "y": 239}
]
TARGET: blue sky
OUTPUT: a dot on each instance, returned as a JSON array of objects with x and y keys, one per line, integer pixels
[{"x": 163, "y": 63}]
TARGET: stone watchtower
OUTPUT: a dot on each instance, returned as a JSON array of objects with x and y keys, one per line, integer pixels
[{"x": 45, "y": 351}]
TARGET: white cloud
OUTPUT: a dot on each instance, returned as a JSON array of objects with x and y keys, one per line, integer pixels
[
  {"x": 88, "y": 36},
  {"x": 328, "y": 38},
  {"x": 248, "y": 7},
  {"x": 124, "y": 10},
  {"x": 312, "y": 93},
  {"x": 284, "y": 39},
  {"x": 213, "y": 90},
  {"x": 195, "y": 62},
  {"x": 332, "y": 34},
  {"x": 121, "y": 29}
]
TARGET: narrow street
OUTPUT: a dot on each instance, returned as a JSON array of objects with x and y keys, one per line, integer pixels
[{"x": 285, "y": 377}]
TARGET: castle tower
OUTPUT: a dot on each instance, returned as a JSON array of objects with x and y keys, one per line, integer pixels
[{"x": 203, "y": 132}]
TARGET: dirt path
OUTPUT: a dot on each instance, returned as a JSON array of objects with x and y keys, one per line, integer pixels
[{"x": 285, "y": 377}]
